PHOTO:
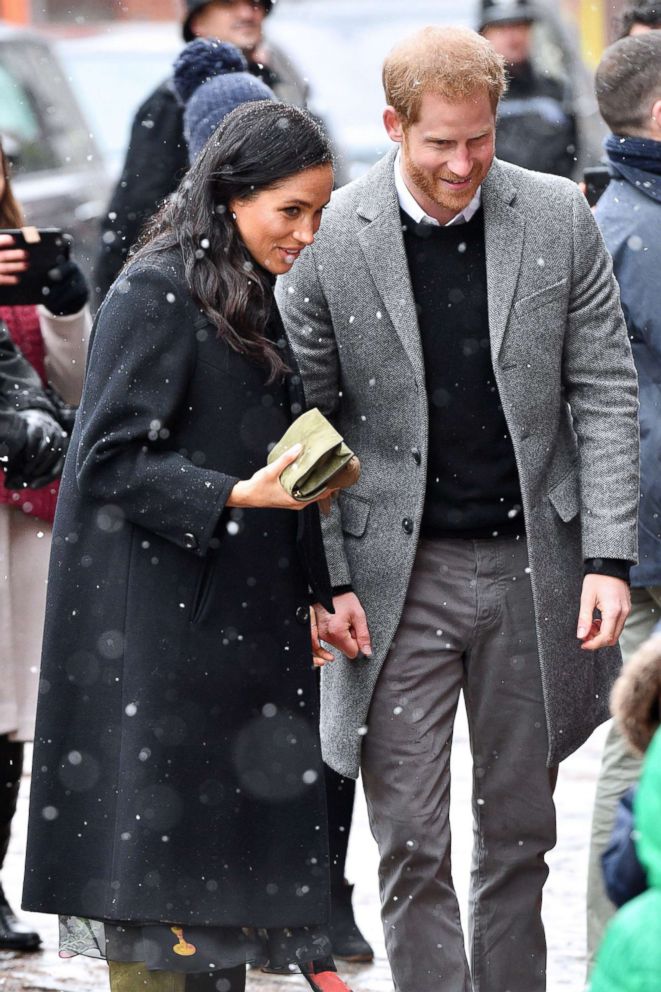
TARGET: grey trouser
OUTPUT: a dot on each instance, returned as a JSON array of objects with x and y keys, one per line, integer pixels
[
  {"x": 468, "y": 623},
  {"x": 620, "y": 769}
]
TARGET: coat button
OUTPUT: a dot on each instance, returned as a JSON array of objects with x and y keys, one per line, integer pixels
[
  {"x": 407, "y": 525},
  {"x": 417, "y": 457},
  {"x": 190, "y": 541},
  {"x": 302, "y": 614}
]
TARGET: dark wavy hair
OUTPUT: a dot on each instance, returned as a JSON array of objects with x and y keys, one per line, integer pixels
[
  {"x": 256, "y": 147},
  {"x": 11, "y": 214},
  {"x": 647, "y": 12}
]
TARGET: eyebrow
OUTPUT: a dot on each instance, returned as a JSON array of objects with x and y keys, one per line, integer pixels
[
  {"x": 438, "y": 137},
  {"x": 303, "y": 203}
]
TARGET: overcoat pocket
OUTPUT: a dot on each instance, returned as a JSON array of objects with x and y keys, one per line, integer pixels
[
  {"x": 355, "y": 512},
  {"x": 565, "y": 496},
  {"x": 527, "y": 304}
]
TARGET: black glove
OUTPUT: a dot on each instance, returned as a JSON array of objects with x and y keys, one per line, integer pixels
[
  {"x": 12, "y": 436},
  {"x": 67, "y": 290},
  {"x": 64, "y": 413},
  {"x": 41, "y": 457}
]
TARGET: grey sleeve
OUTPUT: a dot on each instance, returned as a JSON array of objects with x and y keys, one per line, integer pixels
[
  {"x": 602, "y": 390},
  {"x": 308, "y": 323}
]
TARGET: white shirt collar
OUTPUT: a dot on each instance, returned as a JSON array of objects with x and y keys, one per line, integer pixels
[{"x": 410, "y": 205}]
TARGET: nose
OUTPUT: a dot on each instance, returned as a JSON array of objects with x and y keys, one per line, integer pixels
[
  {"x": 460, "y": 163},
  {"x": 305, "y": 231}
]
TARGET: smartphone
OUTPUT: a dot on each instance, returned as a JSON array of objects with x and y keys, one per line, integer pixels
[
  {"x": 47, "y": 248},
  {"x": 596, "y": 180}
]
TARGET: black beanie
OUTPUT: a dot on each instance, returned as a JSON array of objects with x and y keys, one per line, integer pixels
[
  {"x": 506, "y": 12},
  {"x": 191, "y": 6},
  {"x": 211, "y": 79}
]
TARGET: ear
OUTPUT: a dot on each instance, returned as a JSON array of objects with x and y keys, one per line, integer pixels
[
  {"x": 194, "y": 26},
  {"x": 656, "y": 118},
  {"x": 393, "y": 125}
]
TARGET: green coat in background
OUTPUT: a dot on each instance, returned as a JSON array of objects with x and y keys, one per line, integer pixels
[{"x": 629, "y": 959}]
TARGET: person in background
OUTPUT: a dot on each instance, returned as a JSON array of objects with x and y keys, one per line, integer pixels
[
  {"x": 629, "y": 958},
  {"x": 537, "y": 126},
  {"x": 628, "y": 87},
  {"x": 52, "y": 339},
  {"x": 179, "y": 643},
  {"x": 211, "y": 78},
  {"x": 636, "y": 709},
  {"x": 157, "y": 156},
  {"x": 640, "y": 17}
]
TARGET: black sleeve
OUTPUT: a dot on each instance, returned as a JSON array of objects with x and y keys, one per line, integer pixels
[
  {"x": 13, "y": 435},
  {"x": 20, "y": 389},
  {"x": 341, "y": 590},
  {"x": 141, "y": 363},
  {"x": 156, "y": 160},
  {"x": 616, "y": 568},
  {"x": 20, "y": 385}
]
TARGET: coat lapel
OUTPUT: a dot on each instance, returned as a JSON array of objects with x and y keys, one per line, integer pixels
[
  {"x": 504, "y": 232},
  {"x": 383, "y": 247}
]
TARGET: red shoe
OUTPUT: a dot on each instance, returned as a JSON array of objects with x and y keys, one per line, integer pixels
[{"x": 326, "y": 981}]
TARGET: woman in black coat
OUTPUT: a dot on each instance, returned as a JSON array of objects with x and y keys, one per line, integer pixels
[{"x": 177, "y": 792}]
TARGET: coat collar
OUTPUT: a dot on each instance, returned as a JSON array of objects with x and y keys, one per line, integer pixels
[{"x": 383, "y": 246}]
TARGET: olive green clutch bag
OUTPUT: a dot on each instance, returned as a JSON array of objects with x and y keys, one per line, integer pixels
[{"x": 325, "y": 462}]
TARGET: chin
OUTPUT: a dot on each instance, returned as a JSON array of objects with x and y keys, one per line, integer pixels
[
  {"x": 458, "y": 200},
  {"x": 278, "y": 268},
  {"x": 248, "y": 44},
  {"x": 454, "y": 203}
]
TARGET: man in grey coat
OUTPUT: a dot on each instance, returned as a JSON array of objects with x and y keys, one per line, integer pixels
[{"x": 458, "y": 319}]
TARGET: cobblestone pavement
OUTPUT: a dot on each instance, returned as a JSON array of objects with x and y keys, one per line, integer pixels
[{"x": 563, "y": 904}]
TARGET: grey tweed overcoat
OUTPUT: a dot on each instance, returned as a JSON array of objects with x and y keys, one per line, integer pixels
[{"x": 567, "y": 383}]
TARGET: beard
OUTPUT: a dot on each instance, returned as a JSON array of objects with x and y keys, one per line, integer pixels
[{"x": 431, "y": 185}]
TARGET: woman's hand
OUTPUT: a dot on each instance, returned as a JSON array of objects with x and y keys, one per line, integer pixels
[
  {"x": 264, "y": 488},
  {"x": 13, "y": 261},
  {"x": 320, "y": 656}
]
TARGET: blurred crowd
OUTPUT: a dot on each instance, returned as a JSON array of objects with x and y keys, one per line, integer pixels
[{"x": 47, "y": 298}]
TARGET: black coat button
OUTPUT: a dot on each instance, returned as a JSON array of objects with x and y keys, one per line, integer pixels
[
  {"x": 407, "y": 525},
  {"x": 417, "y": 457},
  {"x": 190, "y": 541},
  {"x": 303, "y": 614}
]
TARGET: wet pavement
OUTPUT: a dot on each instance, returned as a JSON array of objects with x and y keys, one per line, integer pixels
[{"x": 563, "y": 902}]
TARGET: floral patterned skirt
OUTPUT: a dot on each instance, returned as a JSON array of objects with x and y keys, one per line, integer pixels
[{"x": 162, "y": 947}]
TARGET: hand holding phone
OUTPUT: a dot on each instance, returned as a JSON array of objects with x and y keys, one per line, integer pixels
[
  {"x": 596, "y": 180},
  {"x": 13, "y": 261},
  {"x": 29, "y": 256}
]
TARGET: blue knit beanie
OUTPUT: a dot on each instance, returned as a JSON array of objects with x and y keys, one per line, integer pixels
[{"x": 211, "y": 79}]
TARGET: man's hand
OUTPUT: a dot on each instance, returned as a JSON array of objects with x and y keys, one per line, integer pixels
[
  {"x": 613, "y": 600},
  {"x": 320, "y": 656},
  {"x": 346, "y": 629}
]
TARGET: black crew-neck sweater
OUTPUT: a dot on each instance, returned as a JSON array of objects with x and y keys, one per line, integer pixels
[{"x": 472, "y": 479}]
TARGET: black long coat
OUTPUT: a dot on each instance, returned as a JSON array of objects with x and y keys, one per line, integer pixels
[{"x": 177, "y": 771}]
